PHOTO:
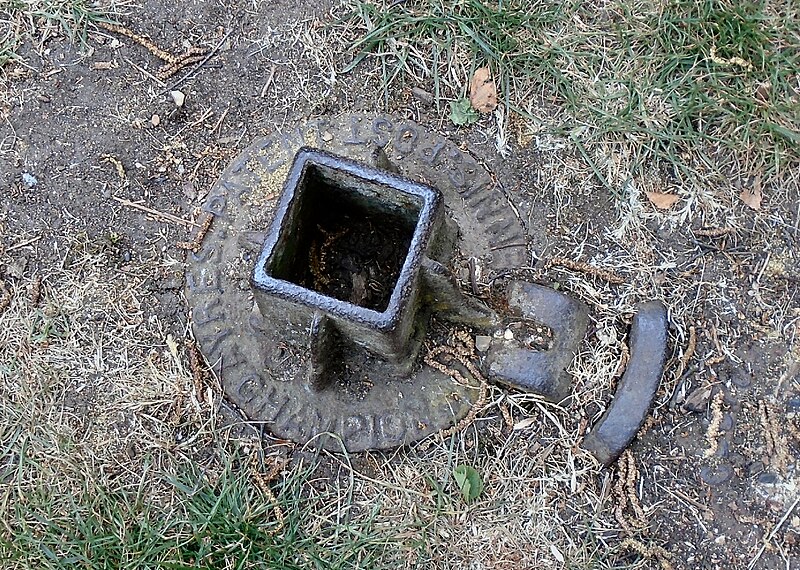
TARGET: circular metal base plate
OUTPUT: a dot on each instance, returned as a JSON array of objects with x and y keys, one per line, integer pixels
[{"x": 263, "y": 374}]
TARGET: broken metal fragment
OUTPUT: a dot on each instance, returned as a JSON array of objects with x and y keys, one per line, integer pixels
[
  {"x": 637, "y": 388},
  {"x": 541, "y": 372}
]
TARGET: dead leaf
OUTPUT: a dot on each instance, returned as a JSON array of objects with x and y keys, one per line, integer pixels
[
  {"x": 698, "y": 399},
  {"x": 763, "y": 90},
  {"x": 752, "y": 196},
  {"x": 482, "y": 91},
  {"x": 662, "y": 201}
]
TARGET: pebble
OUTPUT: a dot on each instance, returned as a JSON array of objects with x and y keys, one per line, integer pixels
[
  {"x": 508, "y": 335},
  {"x": 767, "y": 478},
  {"x": 29, "y": 180},
  {"x": 715, "y": 476},
  {"x": 178, "y": 97},
  {"x": 482, "y": 343}
]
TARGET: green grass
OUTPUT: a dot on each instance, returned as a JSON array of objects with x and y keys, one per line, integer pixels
[
  {"x": 429, "y": 38},
  {"x": 202, "y": 521},
  {"x": 27, "y": 20},
  {"x": 659, "y": 76}
]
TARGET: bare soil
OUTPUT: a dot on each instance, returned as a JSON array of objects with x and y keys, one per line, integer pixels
[{"x": 87, "y": 131}]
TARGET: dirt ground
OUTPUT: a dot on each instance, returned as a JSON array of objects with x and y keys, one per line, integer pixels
[{"x": 89, "y": 134}]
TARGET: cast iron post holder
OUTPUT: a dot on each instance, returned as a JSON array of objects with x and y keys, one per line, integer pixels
[
  {"x": 356, "y": 260},
  {"x": 314, "y": 281}
]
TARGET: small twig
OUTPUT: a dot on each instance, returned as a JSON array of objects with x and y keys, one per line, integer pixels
[
  {"x": 202, "y": 62},
  {"x": 143, "y": 71},
  {"x": 197, "y": 242},
  {"x": 24, "y": 243},
  {"x": 691, "y": 346},
  {"x": 163, "y": 215},
  {"x": 583, "y": 267},
  {"x": 218, "y": 124},
  {"x": 268, "y": 82},
  {"x": 772, "y": 534}
]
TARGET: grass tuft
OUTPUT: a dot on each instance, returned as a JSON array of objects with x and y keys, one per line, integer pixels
[
  {"x": 206, "y": 521},
  {"x": 37, "y": 20},
  {"x": 713, "y": 82}
]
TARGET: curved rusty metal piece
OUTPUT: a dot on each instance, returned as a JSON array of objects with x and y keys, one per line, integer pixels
[{"x": 637, "y": 389}]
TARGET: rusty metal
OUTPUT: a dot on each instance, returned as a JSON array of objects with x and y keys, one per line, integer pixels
[
  {"x": 540, "y": 371},
  {"x": 620, "y": 423},
  {"x": 295, "y": 385},
  {"x": 308, "y": 354}
]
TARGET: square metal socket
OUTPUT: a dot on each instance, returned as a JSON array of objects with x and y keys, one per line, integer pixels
[{"x": 322, "y": 184}]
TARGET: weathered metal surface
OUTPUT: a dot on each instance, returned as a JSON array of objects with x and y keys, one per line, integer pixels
[
  {"x": 621, "y": 421},
  {"x": 264, "y": 370},
  {"x": 355, "y": 195},
  {"x": 542, "y": 372}
]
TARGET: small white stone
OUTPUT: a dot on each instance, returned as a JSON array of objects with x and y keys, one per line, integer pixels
[
  {"x": 482, "y": 343},
  {"x": 156, "y": 120},
  {"x": 29, "y": 179},
  {"x": 508, "y": 335},
  {"x": 178, "y": 97}
]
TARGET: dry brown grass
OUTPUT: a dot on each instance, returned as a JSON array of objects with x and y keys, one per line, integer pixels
[{"x": 89, "y": 386}]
